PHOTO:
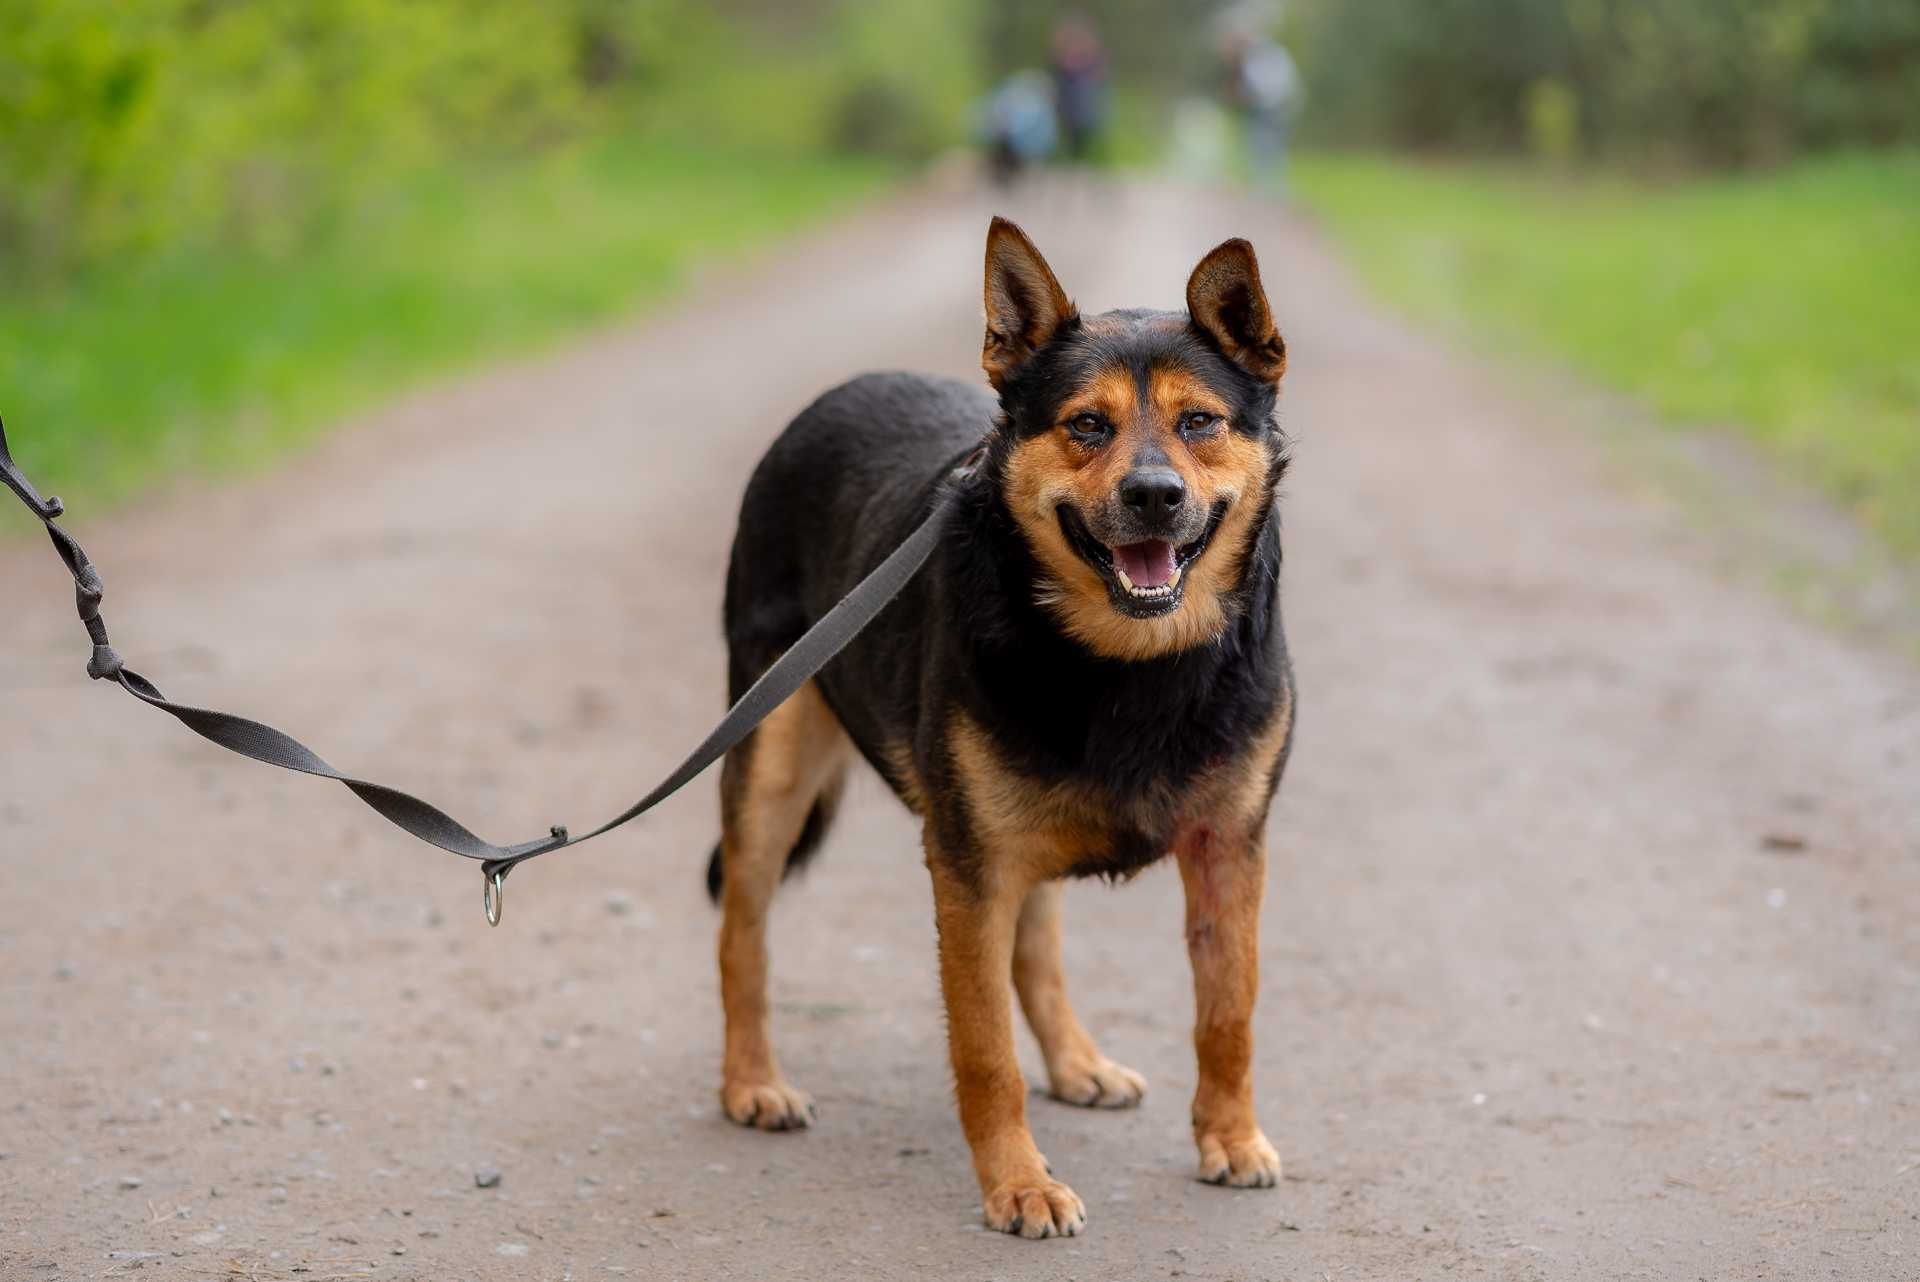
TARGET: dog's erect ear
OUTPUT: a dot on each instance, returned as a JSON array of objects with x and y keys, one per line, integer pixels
[
  {"x": 1025, "y": 304},
  {"x": 1230, "y": 307}
]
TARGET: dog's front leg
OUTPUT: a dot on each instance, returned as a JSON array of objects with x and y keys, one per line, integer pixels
[
  {"x": 976, "y": 919},
  {"x": 1224, "y": 879}
]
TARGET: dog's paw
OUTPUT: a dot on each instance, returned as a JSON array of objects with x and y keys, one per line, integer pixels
[
  {"x": 1036, "y": 1208},
  {"x": 1097, "y": 1083},
  {"x": 771, "y": 1106},
  {"x": 1245, "y": 1161}
]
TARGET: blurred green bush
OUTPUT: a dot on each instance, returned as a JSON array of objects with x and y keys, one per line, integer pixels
[
  {"x": 129, "y": 126},
  {"x": 1677, "y": 83}
]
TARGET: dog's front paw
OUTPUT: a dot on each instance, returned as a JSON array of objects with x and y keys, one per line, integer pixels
[
  {"x": 771, "y": 1106},
  {"x": 1097, "y": 1082},
  {"x": 1245, "y": 1160},
  {"x": 1036, "y": 1208}
]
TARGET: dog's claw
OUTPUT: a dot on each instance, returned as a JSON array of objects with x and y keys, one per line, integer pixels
[
  {"x": 1035, "y": 1209},
  {"x": 1243, "y": 1162},
  {"x": 767, "y": 1106},
  {"x": 1099, "y": 1084}
]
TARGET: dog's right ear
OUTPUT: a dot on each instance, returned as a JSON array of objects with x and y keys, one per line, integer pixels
[
  {"x": 1025, "y": 305},
  {"x": 1229, "y": 304}
]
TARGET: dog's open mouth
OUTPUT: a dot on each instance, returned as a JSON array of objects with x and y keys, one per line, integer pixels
[{"x": 1143, "y": 579}]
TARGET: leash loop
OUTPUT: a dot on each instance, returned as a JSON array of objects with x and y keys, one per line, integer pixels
[
  {"x": 46, "y": 509},
  {"x": 105, "y": 664}
]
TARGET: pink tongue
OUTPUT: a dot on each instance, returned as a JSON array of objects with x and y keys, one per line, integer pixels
[{"x": 1147, "y": 565}]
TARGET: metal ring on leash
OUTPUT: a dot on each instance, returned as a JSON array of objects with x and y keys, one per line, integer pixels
[{"x": 493, "y": 896}]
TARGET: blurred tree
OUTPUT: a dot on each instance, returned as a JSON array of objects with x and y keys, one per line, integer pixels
[
  {"x": 1428, "y": 73},
  {"x": 1862, "y": 75},
  {"x": 130, "y": 126},
  {"x": 1719, "y": 82},
  {"x": 1553, "y": 121},
  {"x": 907, "y": 74}
]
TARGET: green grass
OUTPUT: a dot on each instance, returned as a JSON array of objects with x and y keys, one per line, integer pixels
[
  {"x": 210, "y": 361},
  {"x": 1783, "y": 307}
]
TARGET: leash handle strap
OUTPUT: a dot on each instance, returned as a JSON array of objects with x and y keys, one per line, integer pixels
[{"x": 430, "y": 824}]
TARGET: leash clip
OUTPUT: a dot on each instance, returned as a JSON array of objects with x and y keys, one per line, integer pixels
[{"x": 493, "y": 895}]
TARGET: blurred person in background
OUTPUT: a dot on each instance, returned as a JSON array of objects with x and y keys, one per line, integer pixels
[
  {"x": 1018, "y": 125},
  {"x": 1078, "y": 63},
  {"x": 1263, "y": 85}
]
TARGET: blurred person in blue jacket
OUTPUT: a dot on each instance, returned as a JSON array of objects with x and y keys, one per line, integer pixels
[{"x": 1017, "y": 125}]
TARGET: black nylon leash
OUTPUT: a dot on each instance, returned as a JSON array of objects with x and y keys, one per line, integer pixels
[{"x": 430, "y": 824}]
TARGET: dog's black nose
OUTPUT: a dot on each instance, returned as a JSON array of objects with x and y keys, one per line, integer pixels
[{"x": 1154, "y": 493}]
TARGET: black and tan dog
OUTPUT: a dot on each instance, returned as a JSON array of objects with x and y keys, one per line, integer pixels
[{"x": 1088, "y": 675}]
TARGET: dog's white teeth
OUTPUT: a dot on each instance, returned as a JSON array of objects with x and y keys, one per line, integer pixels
[{"x": 1140, "y": 593}]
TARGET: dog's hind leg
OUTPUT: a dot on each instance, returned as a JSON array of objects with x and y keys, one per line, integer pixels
[
  {"x": 770, "y": 786},
  {"x": 1076, "y": 1070}
]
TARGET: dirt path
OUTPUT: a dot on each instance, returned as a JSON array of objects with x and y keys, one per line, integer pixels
[{"x": 1551, "y": 988}]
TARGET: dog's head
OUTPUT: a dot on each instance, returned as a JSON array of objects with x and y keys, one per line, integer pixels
[{"x": 1138, "y": 451}]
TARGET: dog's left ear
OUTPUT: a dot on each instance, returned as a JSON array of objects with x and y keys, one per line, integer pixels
[
  {"x": 1227, "y": 302},
  {"x": 1025, "y": 305}
]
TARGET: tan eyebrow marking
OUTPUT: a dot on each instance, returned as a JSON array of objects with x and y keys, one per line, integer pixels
[
  {"x": 1110, "y": 392},
  {"x": 1176, "y": 391}
]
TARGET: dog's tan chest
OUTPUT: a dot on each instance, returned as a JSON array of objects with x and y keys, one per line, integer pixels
[{"x": 1049, "y": 829}]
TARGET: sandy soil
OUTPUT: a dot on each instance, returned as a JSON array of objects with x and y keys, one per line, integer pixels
[{"x": 1592, "y": 947}]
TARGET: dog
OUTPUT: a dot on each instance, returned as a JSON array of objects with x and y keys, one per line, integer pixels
[{"x": 1089, "y": 674}]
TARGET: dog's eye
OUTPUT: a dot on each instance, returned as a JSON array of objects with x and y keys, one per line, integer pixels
[
  {"x": 1196, "y": 422},
  {"x": 1087, "y": 427}
]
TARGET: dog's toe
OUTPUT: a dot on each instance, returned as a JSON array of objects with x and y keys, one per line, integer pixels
[
  {"x": 1036, "y": 1209},
  {"x": 1241, "y": 1161},
  {"x": 769, "y": 1106},
  {"x": 1099, "y": 1083}
]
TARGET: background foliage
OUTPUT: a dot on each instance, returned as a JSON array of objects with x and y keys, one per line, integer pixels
[
  {"x": 134, "y": 126},
  {"x": 1686, "y": 82}
]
